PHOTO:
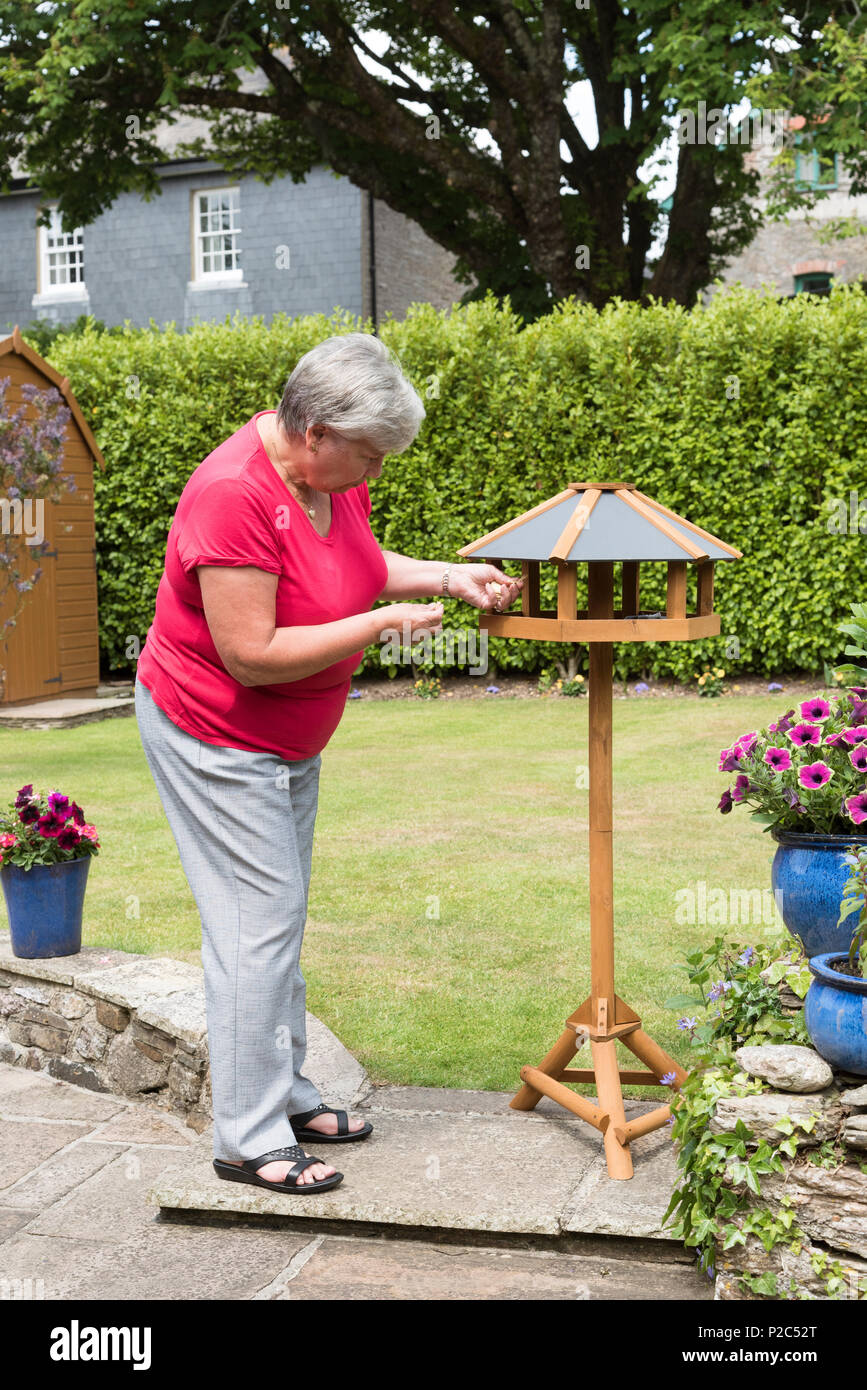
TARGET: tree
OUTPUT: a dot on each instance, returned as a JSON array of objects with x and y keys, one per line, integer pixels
[{"x": 460, "y": 120}]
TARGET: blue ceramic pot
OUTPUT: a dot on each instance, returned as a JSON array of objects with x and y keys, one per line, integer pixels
[
  {"x": 45, "y": 906},
  {"x": 835, "y": 1012},
  {"x": 808, "y": 876}
]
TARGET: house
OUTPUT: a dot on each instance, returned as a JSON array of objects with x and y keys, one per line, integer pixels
[
  {"x": 53, "y": 650},
  {"x": 212, "y": 245},
  {"x": 790, "y": 256}
]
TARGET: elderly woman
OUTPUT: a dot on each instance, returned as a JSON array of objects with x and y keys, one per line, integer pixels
[{"x": 262, "y": 614}]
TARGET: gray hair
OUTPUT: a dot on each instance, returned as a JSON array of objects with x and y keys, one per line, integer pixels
[{"x": 354, "y": 384}]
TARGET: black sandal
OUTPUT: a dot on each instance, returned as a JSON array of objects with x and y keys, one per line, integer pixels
[
  {"x": 247, "y": 1171},
  {"x": 344, "y": 1134}
]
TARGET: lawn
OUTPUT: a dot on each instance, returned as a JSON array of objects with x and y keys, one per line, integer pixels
[{"x": 448, "y": 933}]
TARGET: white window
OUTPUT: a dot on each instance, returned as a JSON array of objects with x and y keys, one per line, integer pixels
[
  {"x": 217, "y": 236},
  {"x": 61, "y": 261}
]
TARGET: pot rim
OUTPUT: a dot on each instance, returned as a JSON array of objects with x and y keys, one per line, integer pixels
[
  {"x": 61, "y": 864},
  {"x": 809, "y": 839},
  {"x": 820, "y": 969}
]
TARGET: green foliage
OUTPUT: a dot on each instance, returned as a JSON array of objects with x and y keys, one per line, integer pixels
[
  {"x": 857, "y": 630},
  {"x": 713, "y": 1206},
  {"x": 747, "y": 416},
  {"x": 855, "y": 900}
]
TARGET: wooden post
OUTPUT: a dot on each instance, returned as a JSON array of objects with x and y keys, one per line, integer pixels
[
  {"x": 531, "y": 603},
  {"x": 600, "y": 595},
  {"x": 629, "y": 589},
  {"x": 567, "y": 590},
  {"x": 675, "y": 603},
  {"x": 704, "y": 581}
]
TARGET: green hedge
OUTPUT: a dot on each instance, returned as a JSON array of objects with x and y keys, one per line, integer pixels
[{"x": 747, "y": 415}]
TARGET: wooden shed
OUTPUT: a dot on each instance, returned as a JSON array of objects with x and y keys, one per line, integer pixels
[{"x": 53, "y": 650}]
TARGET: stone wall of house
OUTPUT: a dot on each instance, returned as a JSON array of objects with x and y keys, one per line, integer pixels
[
  {"x": 409, "y": 265},
  {"x": 138, "y": 256},
  {"x": 829, "y": 1197},
  {"x": 782, "y": 250}
]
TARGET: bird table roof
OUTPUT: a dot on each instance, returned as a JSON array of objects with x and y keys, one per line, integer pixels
[{"x": 600, "y": 521}]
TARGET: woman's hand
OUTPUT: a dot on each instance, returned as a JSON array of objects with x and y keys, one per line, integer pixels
[
  {"x": 422, "y": 617},
  {"x": 484, "y": 586}
]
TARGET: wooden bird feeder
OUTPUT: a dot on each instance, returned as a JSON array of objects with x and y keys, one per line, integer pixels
[{"x": 600, "y": 525}]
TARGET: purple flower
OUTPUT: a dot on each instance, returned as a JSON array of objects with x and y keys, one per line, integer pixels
[
  {"x": 492, "y": 690},
  {"x": 718, "y": 989},
  {"x": 59, "y": 804},
  {"x": 68, "y": 838},
  {"x": 816, "y": 710},
  {"x": 685, "y": 1024},
  {"x": 814, "y": 775},
  {"x": 742, "y": 786},
  {"x": 641, "y": 688},
  {"x": 24, "y": 795},
  {"x": 774, "y": 685},
  {"x": 669, "y": 1079},
  {"x": 77, "y": 814},
  {"x": 784, "y": 723},
  {"x": 856, "y": 735},
  {"x": 778, "y": 759},
  {"x": 29, "y": 813},
  {"x": 858, "y": 759},
  {"x": 729, "y": 759},
  {"x": 725, "y": 802},
  {"x": 858, "y": 712},
  {"x": 354, "y": 694},
  {"x": 51, "y": 825},
  {"x": 832, "y": 739},
  {"x": 746, "y": 956},
  {"x": 806, "y": 735},
  {"x": 746, "y": 743},
  {"x": 856, "y": 808},
  {"x": 791, "y": 796}
]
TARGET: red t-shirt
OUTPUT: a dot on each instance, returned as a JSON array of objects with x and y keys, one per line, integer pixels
[{"x": 236, "y": 510}]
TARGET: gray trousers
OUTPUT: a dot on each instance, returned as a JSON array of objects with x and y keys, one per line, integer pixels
[{"x": 243, "y": 824}]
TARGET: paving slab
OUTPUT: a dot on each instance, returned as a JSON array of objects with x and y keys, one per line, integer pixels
[
  {"x": 42, "y": 1267},
  {"x": 133, "y": 1126},
  {"x": 67, "y": 712},
  {"x": 57, "y": 1174},
  {"x": 110, "y": 1205},
  {"x": 633, "y": 1207},
  {"x": 39, "y": 1096},
  {"x": 158, "y": 1262},
  {"x": 24, "y": 1146},
  {"x": 359, "y": 1269}
]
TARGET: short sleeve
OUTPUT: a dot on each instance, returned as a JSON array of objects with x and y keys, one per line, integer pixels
[{"x": 229, "y": 524}]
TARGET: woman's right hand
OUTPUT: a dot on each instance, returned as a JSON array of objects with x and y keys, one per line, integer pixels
[{"x": 422, "y": 617}]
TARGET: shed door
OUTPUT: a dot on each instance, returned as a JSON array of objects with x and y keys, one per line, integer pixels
[{"x": 30, "y": 653}]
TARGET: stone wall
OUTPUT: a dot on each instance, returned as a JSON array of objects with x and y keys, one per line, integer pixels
[
  {"x": 829, "y": 1198},
  {"x": 135, "y": 1025}
]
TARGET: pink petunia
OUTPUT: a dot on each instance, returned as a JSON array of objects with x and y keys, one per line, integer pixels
[
  {"x": 746, "y": 743},
  {"x": 815, "y": 709},
  {"x": 858, "y": 759},
  {"x": 856, "y": 807},
  {"x": 778, "y": 759},
  {"x": 805, "y": 735},
  {"x": 856, "y": 735},
  {"x": 88, "y": 832},
  {"x": 814, "y": 775}
]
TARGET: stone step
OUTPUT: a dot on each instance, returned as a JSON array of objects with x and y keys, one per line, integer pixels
[
  {"x": 445, "y": 1162},
  {"x": 66, "y": 712}
]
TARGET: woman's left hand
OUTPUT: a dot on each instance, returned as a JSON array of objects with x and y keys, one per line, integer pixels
[{"x": 475, "y": 584}]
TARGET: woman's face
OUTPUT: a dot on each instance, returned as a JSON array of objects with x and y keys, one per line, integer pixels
[{"x": 339, "y": 464}]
